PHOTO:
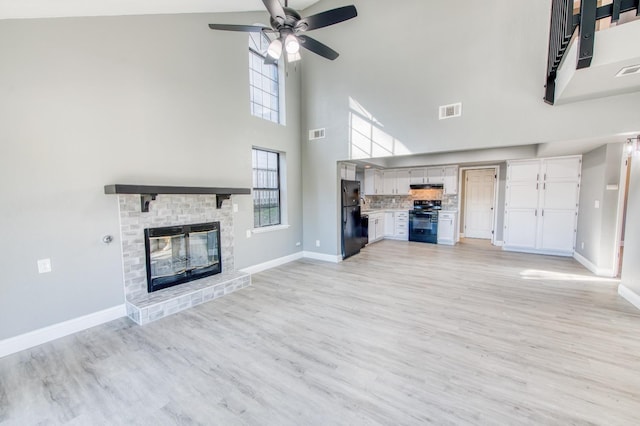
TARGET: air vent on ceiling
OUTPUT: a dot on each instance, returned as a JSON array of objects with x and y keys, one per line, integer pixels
[
  {"x": 316, "y": 134},
  {"x": 450, "y": 111},
  {"x": 633, "y": 69}
]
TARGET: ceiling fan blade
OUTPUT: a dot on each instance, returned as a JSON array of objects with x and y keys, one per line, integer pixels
[
  {"x": 330, "y": 17},
  {"x": 244, "y": 28},
  {"x": 318, "y": 48},
  {"x": 275, "y": 10}
]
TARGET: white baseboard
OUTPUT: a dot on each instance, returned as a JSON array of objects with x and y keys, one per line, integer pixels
[
  {"x": 43, "y": 335},
  {"x": 601, "y": 272},
  {"x": 324, "y": 257},
  {"x": 537, "y": 251},
  {"x": 272, "y": 263},
  {"x": 629, "y": 295},
  {"x": 498, "y": 243},
  {"x": 290, "y": 258}
]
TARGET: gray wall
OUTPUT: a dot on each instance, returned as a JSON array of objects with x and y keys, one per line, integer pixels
[
  {"x": 609, "y": 206},
  {"x": 143, "y": 99},
  {"x": 597, "y": 226},
  {"x": 402, "y": 76},
  {"x": 630, "y": 264},
  {"x": 589, "y": 218}
]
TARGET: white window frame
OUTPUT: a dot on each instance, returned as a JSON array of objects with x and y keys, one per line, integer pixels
[
  {"x": 282, "y": 188},
  {"x": 256, "y": 87}
]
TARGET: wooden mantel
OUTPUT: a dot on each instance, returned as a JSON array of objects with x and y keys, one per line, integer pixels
[{"x": 149, "y": 193}]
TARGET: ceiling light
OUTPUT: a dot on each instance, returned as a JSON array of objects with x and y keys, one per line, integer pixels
[
  {"x": 291, "y": 44},
  {"x": 630, "y": 70},
  {"x": 275, "y": 49}
]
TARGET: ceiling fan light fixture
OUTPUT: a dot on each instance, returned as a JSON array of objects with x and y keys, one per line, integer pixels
[
  {"x": 275, "y": 49},
  {"x": 291, "y": 44}
]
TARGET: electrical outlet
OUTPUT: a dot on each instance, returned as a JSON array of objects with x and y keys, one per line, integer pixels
[
  {"x": 393, "y": 201},
  {"x": 597, "y": 204},
  {"x": 582, "y": 245},
  {"x": 44, "y": 266},
  {"x": 248, "y": 233},
  {"x": 298, "y": 244},
  {"x": 317, "y": 243}
]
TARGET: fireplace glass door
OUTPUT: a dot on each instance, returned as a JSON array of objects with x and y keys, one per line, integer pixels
[
  {"x": 178, "y": 254},
  {"x": 203, "y": 249},
  {"x": 168, "y": 256}
]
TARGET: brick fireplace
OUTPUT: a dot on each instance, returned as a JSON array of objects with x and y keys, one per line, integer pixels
[{"x": 173, "y": 210}]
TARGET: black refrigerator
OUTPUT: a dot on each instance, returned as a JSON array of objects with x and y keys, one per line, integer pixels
[{"x": 351, "y": 221}]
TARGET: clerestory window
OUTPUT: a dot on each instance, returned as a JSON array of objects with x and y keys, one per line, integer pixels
[{"x": 264, "y": 80}]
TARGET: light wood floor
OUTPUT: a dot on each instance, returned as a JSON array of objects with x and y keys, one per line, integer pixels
[{"x": 402, "y": 334}]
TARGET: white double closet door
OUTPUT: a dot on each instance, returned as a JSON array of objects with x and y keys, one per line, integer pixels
[{"x": 541, "y": 204}]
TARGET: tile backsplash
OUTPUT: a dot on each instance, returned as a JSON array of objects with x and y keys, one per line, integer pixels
[{"x": 382, "y": 202}]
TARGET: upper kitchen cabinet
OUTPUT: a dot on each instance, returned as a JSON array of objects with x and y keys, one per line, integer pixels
[
  {"x": 450, "y": 180},
  {"x": 373, "y": 182},
  {"x": 426, "y": 175},
  {"x": 396, "y": 182},
  {"x": 347, "y": 171},
  {"x": 416, "y": 176},
  {"x": 434, "y": 175}
]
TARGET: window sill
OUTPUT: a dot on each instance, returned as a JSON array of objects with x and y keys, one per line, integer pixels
[{"x": 269, "y": 229}]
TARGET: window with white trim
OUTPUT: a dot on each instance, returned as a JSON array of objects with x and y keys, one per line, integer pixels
[
  {"x": 264, "y": 80},
  {"x": 266, "y": 188}
]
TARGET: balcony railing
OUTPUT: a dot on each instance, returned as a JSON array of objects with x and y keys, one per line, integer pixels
[{"x": 564, "y": 22}]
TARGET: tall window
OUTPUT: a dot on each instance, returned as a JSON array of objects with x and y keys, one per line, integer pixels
[
  {"x": 266, "y": 188},
  {"x": 264, "y": 80}
]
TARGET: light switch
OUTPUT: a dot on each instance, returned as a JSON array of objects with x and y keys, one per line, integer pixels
[
  {"x": 235, "y": 208},
  {"x": 597, "y": 204},
  {"x": 248, "y": 233},
  {"x": 44, "y": 266}
]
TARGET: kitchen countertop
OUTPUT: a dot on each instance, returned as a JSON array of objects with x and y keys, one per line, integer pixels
[{"x": 383, "y": 211}]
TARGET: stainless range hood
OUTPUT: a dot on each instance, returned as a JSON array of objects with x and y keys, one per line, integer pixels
[{"x": 426, "y": 186}]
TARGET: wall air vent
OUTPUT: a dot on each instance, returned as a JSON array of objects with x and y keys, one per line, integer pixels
[
  {"x": 633, "y": 69},
  {"x": 316, "y": 134},
  {"x": 450, "y": 111}
]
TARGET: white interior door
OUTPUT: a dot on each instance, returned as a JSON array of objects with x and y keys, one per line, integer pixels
[{"x": 479, "y": 201}]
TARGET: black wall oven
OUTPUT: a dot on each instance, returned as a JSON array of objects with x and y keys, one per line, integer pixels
[{"x": 423, "y": 221}]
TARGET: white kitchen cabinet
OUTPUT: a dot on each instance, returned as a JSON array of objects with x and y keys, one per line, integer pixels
[
  {"x": 389, "y": 224},
  {"x": 347, "y": 171},
  {"x": 396, "y": 182},
  {"x": 541, "y": 205},
  {"x": 447, "y": 227},
  {"x": 450, "y": 180},
  {"x": 376, "y": 226},
  {"x": 389, "y": 182},
  {"x": 401, "y": 225},
  {"x": 402, "y": 182},
  {"x": 396, "y": 225},
  {"x": 416, "y": 176},
  {"x": 373, "y": 182},
  {"x": 434, "y": 175}
]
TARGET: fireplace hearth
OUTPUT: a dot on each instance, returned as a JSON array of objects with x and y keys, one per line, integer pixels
[{"x": 179, "y": 254}]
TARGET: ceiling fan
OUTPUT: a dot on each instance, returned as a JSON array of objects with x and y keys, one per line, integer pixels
[{"x": 290, "y": 26}]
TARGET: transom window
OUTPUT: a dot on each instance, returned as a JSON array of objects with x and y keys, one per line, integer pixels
[
  {"x": 266, "y": 188},
  {"x": 264, "y": 80}
]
